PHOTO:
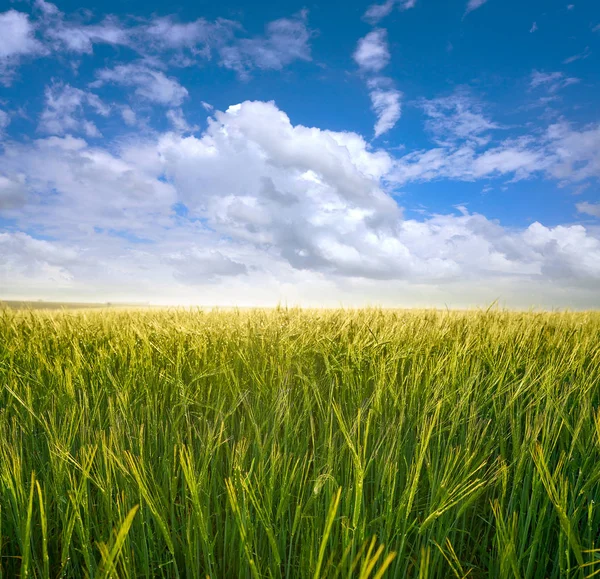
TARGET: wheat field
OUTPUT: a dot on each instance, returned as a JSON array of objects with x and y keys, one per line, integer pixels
[{"x": 295, "y": 443}]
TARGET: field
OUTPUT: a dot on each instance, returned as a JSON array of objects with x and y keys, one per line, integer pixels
[{"x": 290, "y": 443}]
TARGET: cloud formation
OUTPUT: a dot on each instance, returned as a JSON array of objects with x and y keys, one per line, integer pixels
[
  {"x": 551, "y": 81},
  {"x": 17, "y": 39},
  {"x": 372, "y": 53},
  {"x": 377, "y": 12},
  {"x": 474, "y": 4},
  {"x": 386, "y": 103},
  {"x": 457, "y": 117},
  {"x": 255, "y": 196},
  {"x": 149, "y": 83},
  {"x": 160, "y": 39},
  {"x": 64, "y": 111}
]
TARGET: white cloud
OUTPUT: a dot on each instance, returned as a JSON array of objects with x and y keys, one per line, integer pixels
[
  {"x": 76, "y": 36},
  {"x": 562, "y": 153},
  {"x": 4, "y": 121},
  {"x": 150, "y": 84},
  {"x": 17, "y": 35},
  {"x": 27, "y": 261},
  {"x": 570, "y": 6},
  {"x": 581, "y": 56},
  {"x": 534, "y": 27},
  {"x": 12, "y": 192},
  {"x": 267, "y": 200},
  {"x": 573, "y": 155},
  {"x": 376, "y": 12},
  {"x": 64, "y": 110},
  {"x": 199, "y": 266},
  {"x": 128, "y": 115},
  {"x": 386, "y": 103},
  {"x": 474, "y": 4},
  {"x": 457, "y": 117},
  {"x": 592, "y": 209},
  {"x": 372, "y": 53},
  {"x": 160, "y": 39},
  {"x": 17, "y": 39},
  {"x": 285, "y": 41},
  {"x": 552, "y": 81},
  {"x": 198, "y": 36},
  {"x": 179, "y": 122},
  {"x": 74, "y": 187}
]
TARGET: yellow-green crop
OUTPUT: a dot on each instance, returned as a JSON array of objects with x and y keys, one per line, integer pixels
[{"x": 291, "y": 443}]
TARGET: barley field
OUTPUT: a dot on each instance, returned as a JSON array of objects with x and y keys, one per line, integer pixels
[{"x": 294, "y": 443}]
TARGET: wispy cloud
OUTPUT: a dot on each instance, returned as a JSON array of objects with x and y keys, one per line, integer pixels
[
  {"x": 179, "y": 122},
  {"x": 150, "y": 84},
  {"x": 161, "y": 38},
  {"x": 377, "y": 12},
  {"x": 372, "y": 55},
  {"x": 473, "y": 5},
  {"x": 65, "y": 111},
  {"x": 562, "y": 153},
  {"x": 581, "y": 56},
  {"x": 458, "y": 117},
  {"x": 592, "y": 209},
  {"x": 285, "y": 40},
  {"x": 552, "y": 81},
  {"x": 386, "y": 103},
  {"x": 533, "y": 28}
]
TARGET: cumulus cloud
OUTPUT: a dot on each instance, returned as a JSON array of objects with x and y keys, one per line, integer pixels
[
  {"x": 17, "y": 39},
  {"x": 17, "y": 35},
  {"x": 74, "y": 187},
  {"x": 150, "y": 84},
  {"x": 64, "y": 110},
  {"x": 372, "y": 53},
  {"x": 265, "y": 199}
]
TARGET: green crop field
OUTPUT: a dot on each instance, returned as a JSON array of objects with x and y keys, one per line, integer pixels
[{"x": 290, "y": 443}]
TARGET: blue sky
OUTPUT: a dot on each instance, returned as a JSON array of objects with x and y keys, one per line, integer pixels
[{"x": 402, "y": 153}]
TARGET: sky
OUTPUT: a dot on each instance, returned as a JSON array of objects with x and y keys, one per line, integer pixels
[{"x": 407, "y": 153}]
